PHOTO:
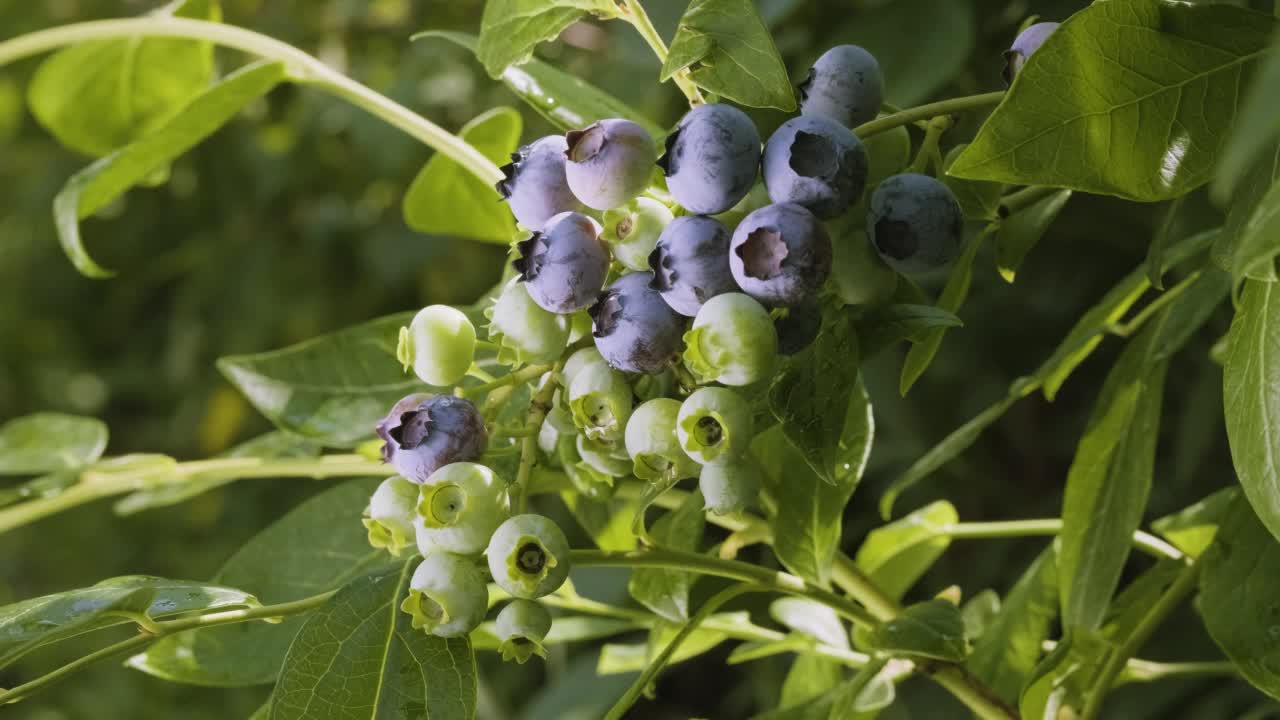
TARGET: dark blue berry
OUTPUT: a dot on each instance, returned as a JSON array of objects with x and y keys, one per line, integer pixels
[
  {"x": 535, "y": 186},
  {"x": 816, "y": 162},
  {"x": 915, "y": 223},
  {"x": 564, "y": 265},
  {"x": 634, "y": 328},
  {"x": 712, "y": 158},
  {"x": 781, "y": 255},
  {"x": 423, "y": 433},
  {"x": 691, "y": 263},
  {"x": 845, "y": 85}
]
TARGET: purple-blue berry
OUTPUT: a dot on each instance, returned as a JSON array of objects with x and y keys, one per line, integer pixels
[
  {"x": 635, "y": 330},
  {"x": 781, "y": 255},
  {"x": 423, "y": 433},
  {"x": 816, "y": 162},
  {"x": 712, "y": 158},
  {"x": 563, "y": 266},
  {"x": 691, "y": 263},
  {"x": 845, "y": 85},
  {"x": 1027, "y": 42},
  {"x": 534, "y": 185},
  {"x": 915, "y": 223},
  {"x": 609, "y": 162}
]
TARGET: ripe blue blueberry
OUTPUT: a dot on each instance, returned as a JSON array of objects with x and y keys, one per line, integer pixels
[
  {"x": 529, "y": 556},
  {"x": 391, "y": 514},
  {"x": 712, "y": 158},
  {"x": 423, "y": 433},
  {"x": 797, "y": 327},
  {"x": 609, "y": 162},
  {"x": 524, "y": 331},
  {"x": 691, "y": 263},
  {"x": 600, "y": 400},
  {"x": 730, "y": 487},
  {"x": 1027, "y": 42},
  {"x": 816, "y": 162},
  {"x": 845, "y": 85},
  {"x": 447, "y": 597},
  {"x": 732, "y": 341},
  {"x": 535, "y": 186},
  {"x": 631, "y": 231},
  {"x": 634, "y": 328},
  {"x": 915, "y": 223},
  {"x": 460, "y": 506},
  {"x": 439, "y": 345},
  {"x": 653, "y": 444},
  {"x": 521, "y": 627},
  {"x": 563, "y": 266},
  {"x": 780, "y": 255},
  {"x": 714, "y": 425}
]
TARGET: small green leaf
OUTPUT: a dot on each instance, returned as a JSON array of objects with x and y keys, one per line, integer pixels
[
  {"x": 94, "y": 187},
  {"x": 320, "y": 545},
  {"x": 1010, "y": 648},
  {"x": 666, "y": 592},
  {"x": 1193, "y": 528},
  {"x": 729, "y": 52},
  {"x": 954, "y": 293},
  {"x": 1255, "y": 130},
  {"x": 887, "y": 325},
  {"x": 564, "y": 100},
  {"x": 840, "y": 703},
  {"x": 359, "y": 656},
  {"x": 932, "y": 630},
  {"x": 29, "y": 624},
  {"x": 896, "y": 555},
  {"x": 1249, "y": 379},
  {"x": 1132, "y": 99},
  {"x": 511, "y": 29},
  {"x": 49, "y": 442},
  {"x": 979, "y": 612},
  {"x": 1247, "y": 245},
  {"x": 130, "y": 87},
  {"x": 633, "y": 657},
  {"x": 1021, "y": 232},
  {"x": 811, "y": 618},
  {"x": 809, "y": 677},
  {"x": 446, "y": 200},
  {"x": 978, "y": 199}
]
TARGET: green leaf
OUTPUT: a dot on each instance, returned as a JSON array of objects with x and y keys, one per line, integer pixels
[
  {"x": 1010, "y": 648},
  {"x": 511, "y": 29},
  {"x": 932, "y": 630},
  {"x": 358, "y": 656},
  {"x": 979, "y": 199},
  {"x": 951, "y": 300},
  {"x": 1247, "y": 243},
  {"x": 810, "y": 397},
  {"x": 841, "y": 703},
  {"x": 810, "y": 676},
  {"x": 632, "y": 657},
  {"x": 811, "y": 618},
  {"x": 887, "y": 325},
  {"x": 896, "y": 555},
  {"x": 91, "y": 189},
  {"x": 729, "y": 52},
  {"x": 942, "y": 36},
  {"x": 49, "y": 442},
  {"x": 567, "y": 629},
  {"x": 1250, "y": 377},
  {"x": 807, "y": 524},
  {"x": 563, "y": 99},
  {"x": 98, "y": 96},
  {"x": 1193, "y": 528},
  {"x": 1021, "y": 232},
  {"x": 666, "y": 592},
  {"x": 1255, "y": 130},
  {"x": 320, "y": 545},
  {"x": 445, "y": 199},
  {"x": 608, "y": 522},
  {"x": 1132, "y": 99},
  {"x": 1238, "y": 596},
  {"x": 979, "y": 612},
  {"x": 39, "y": 621}
]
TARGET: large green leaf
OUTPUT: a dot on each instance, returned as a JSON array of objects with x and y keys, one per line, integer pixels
[
  {"x": 1021, "y": 232},
  {"x": 1238, "y": 589},
  {"x": 807, "y": 525},
  {"x": 897, "y": 555},
  {"x": 886, "y": 325},
  {"x": 511, "y": 29},
  {"x": 564, "y": 100},
  {"x": 1010, "y": 648},
  {"x": 1247, "y": 243},
  {"x": 1256, "y": 129},
  {"x": 320, "y": 545},
  {"x": 954, "y": 293},
  {"x": 43, "y": 620},
  {"x": 49, "y": 442},
  {"x": 931, "y": 630},
  {"x": 942, "y": 36},
  {"x": 1251, "y": 391},
  {"x": 1132, "y": 99},
  {"x": 99, "y": 96},
  {"x": 729, "y": 52},
  {"x": 979, "y": 199},
  {"x": 844, "y": 702},
  {"x": 359, "y": 657},
  {"x": 666, "y": 592},
  {"x": 94, "y": 187},
  {"x": 446, "y": 200}
]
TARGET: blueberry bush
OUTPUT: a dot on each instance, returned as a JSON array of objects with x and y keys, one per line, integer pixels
[{"x": 673, "y": 378}]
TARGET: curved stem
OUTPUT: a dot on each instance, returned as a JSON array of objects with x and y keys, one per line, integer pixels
[
  {"x": 304, "y": 68},
  {"x": 1147, "y": 543},
  {"x": 926, "y": 112},
  {"x": 518, "y": 377},
  {"x": 1024, "y": 198},
  {"x": 538, "y": 409},
  {"x": 635, "y": 14}
]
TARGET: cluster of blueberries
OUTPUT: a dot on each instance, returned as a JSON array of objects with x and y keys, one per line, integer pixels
[{"x": 642, "y": 295}]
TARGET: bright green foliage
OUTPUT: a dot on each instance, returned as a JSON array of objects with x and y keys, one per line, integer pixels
[
  {"x": 48, "y": 442},
  {"x": 931, "y": 630},
  {"x": 511, "y": 29},
  {"x": 898, "y": 554},
  {"x": 1249, "y": 381},
  {"x": 728, "y": 51}
]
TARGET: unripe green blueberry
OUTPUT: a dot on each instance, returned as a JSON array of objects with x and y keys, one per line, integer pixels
[
  {"x": 557, "y": 426},
  {"x": 523, "y": 331},
  {"x": 600, "y": 400},
  {"x": 581, "y": 358},
  {"x": 459, "y": 508},
  {"x": 529, "y": 556},
  {"x": 653, "y": 444},
  {"x": 730, "y": 487},
  {"x": 587, "y": 481},
  {"x": 440, "y": 345},
  {"x": 714, "y": 424},
  {"x": 632, "y": 230},
  {"x": 608, "y": 460},
  {"x": 391, "y": 514},
  {"x": 732, "y": 341},
  {"x": 447, "y": 596},
  {"x": 521, "y": 627},
  {"x": 649, "y": 387}
]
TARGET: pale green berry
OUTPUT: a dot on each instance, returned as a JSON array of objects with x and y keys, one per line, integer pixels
[
  {"x": 459, "y": 508},
  {"x": 521, "y": 627},
  {"x": 632, "y": 230},
  {"x": 523, "y": 331},
  {"x": 650, "y": 387},
  {"x": 529, "y": 556},
  {"x": 730, "y": 487},
  {"x": 732, "y": 341},
  {"x": 447, "y": 597},
  {"x": 440, "y": 345},
  {"x": 580, "y": 359},
  {"x": 610, "y": 461},
  {"x": 600, "y": 400},
  {"x": 391, "y": 514},
  {"x": 715, "y": 424},
  {"x": 653, "y": 444},
  {"x": 586, "y": 480},
  {"x": 557, "y": 426}
]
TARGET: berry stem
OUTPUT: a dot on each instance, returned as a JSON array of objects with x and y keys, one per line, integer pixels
[
  {"x": 538, "y": 409},
  {"x": 635, "y": 14},
  {"x": 1024, "y": 198},
  {"x": 519, "y": 377},
  {"x": 926, "y": 112},
  {"x": 928, "y": 151}
]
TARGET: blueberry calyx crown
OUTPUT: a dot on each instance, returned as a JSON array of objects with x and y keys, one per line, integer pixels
[
  {"x": 413, "y": 430},
  {"x": 895, "y": 239},
  {"x": 533, "y": 252},
  {"x": 531, "y": 558},
  {"x": 605, "y": 313},
  {"x": 669, "y": 162},
  {"x": 664, "y": 275},
  {"x": 813, "y": 156},
  {"x": 763, "y": 253},
  {"x": 510, "y": 172},
  {"x": 584, "y": 144},
  {"x": 803, "y": 88}
]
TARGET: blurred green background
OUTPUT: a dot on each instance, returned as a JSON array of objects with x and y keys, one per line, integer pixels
[{"x": 287, "y": 224}]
